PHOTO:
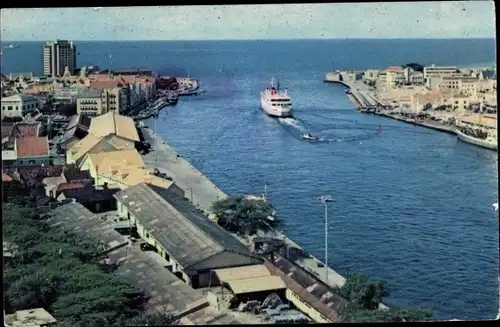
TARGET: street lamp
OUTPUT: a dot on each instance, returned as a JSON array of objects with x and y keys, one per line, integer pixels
[{"x": 325, "y": 199}]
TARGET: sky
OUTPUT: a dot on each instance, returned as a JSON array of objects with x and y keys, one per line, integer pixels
[{"x": 446, "y": 19}]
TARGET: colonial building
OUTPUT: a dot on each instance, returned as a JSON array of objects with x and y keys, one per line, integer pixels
[{"x": 19, "y": 105}]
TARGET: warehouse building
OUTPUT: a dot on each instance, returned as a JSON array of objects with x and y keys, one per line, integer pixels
[{"x": 189, "y": 241}]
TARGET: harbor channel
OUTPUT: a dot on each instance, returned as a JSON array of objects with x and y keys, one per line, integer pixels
[{"x": 203, "y": 192}]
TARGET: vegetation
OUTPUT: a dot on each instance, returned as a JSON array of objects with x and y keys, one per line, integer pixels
[
  {"x": 60, "y": 272},
  {"x": 366, "y": 297},
  {"x": 243, "y": 216},
  {"x": 416, "y": 67}
]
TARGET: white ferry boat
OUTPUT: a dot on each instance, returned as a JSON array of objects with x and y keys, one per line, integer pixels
[
  {"x": 276, "y": 103},
  {"x": 480, "y": 130}
]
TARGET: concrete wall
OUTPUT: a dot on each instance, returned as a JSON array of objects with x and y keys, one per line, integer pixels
[
  {"x": 305, "y": 307},
  {"x": 9, "y": 155}
]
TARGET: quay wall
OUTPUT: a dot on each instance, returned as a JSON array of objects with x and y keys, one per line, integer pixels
[{"x": 203, "y": 192}]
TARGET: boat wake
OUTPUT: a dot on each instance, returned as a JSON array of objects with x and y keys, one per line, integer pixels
[{"x": 291, "y": 122}]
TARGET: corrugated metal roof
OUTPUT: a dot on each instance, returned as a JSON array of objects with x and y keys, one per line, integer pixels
[
  {"x": 78, "y": 219},
  {"x": 311, "y": 290},
  {"x": 166, "y": 291},
  {"x": 183, "y": 231},
  {"x": 259, "y": 284},
  {"x": 236, "y": 273}
]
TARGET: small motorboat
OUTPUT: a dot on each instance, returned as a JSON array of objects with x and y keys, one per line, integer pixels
[{"x": 308, "y": 136}]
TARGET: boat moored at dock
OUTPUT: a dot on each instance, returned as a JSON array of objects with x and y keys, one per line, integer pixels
[{"x": 479, "y": 130}]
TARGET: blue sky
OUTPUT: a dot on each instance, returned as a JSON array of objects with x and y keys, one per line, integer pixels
[{"x": 447, "y": 19}]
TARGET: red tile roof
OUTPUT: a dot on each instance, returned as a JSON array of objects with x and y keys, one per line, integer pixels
[
  {"x": 32, "y": 146},
  {"x": 26, "y": 129},
  {"x": 104, "y": 84},
  {"x": 70, "y": 186}
]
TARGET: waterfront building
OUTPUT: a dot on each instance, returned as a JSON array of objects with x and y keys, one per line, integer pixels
[
  {"x": 441, "y": 71},
  {"x": 192, "y": 245},
  {"x": 122, "y": 169},
  {"x": 114, "y": 96},
  {"x": 89, "y": 102},
  {"x": 112, "y": 123},
  {"x": 19, "y": 105},
  {"x": 465, "y": 85},
  {"x": 370, "y": 75},
  {"x": 109, "y": 132},
  {"x": 395, "y": 76},
  {"x": 58, "y": 56},
  {"x": 416, "y": 78}
]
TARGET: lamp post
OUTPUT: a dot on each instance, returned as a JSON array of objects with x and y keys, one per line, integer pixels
[{"x": 325, "y": 199}]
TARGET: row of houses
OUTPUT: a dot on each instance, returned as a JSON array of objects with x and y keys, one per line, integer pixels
[{"x": 93, "y": 94}]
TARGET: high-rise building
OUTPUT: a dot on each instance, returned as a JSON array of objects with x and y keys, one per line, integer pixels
[{"x": 57, "y": 55}]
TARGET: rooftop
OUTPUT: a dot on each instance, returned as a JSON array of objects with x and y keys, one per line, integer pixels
[
  {"x": 89, "y": 194},
  {"x": 311, "y": 290},
  {"x": 184, "y": 232},
  {"x": 20, "y": 97},
  {"x": 166, "y": 291},
  {"x": 71, "y": 173},
  {"x": 114, "y": 123},
  {"x": 89, "y": 93},
  {"x": 107, "y": 161},
  {"x": 31, "y": 317},
  {"x": 79, "y": 120},
  {"x": 109, "y": 84},
  {"x": 32, "y": 146},
  {"x": 20, "y": 129},
  {"x": 76, "y": 218}
]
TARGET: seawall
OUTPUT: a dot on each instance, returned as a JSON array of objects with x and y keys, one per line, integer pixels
[{"x": 204, "y": 192}]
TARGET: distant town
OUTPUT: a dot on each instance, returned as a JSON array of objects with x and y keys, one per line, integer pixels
[{"x": 461, "y": 101}]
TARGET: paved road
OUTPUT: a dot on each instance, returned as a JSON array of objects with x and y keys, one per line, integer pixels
[{"x": 199, "y": 189}]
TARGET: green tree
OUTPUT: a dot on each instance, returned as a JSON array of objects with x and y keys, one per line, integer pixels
[
  {"x": 362, "y": 292},
  {"x": 243, "y": 216},
  {"x": 357, "y": 314},
  {"x": 59, "y": 271}
]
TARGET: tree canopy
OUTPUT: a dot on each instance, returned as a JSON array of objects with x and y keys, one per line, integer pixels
[
  {"x": 243, "y": 216},
  {"x": 60, "y": 272},
  {"x": 366, "y": 297}
]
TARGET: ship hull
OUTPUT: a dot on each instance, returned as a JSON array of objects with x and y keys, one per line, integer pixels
[
  {"x": 472, "y": 140},
  {"x": 275, "y": 112}
]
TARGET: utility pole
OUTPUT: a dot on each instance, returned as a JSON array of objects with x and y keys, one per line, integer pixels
[
  {"x": 156, "y": 141},
  {"x": 325, "y": 199}
]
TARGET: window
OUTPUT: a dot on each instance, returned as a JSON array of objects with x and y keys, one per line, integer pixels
[
  {"x": 147, "y": 235},
  {"x": 9, "y": 107},
  {"x": 32, "y": 162}
]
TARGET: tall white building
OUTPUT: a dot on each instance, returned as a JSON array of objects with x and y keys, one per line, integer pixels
[{"x": 57, "y": 55}]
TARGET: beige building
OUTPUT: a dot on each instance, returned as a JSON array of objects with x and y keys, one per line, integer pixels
[
  {"x": 465, "y": 85},
  {"x": 114, "y": 95},
  {"x": 437, "y": 71},
  {"x": 89, "y": 103},
  {"x": 19, "y": 105}
]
